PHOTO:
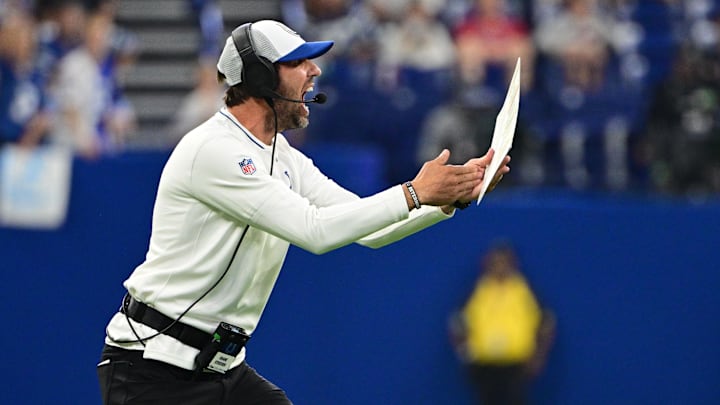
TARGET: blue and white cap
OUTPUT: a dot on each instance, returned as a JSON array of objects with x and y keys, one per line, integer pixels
[{"x": 273, "y": 41}]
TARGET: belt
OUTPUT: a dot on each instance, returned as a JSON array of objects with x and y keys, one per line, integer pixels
[{"x": 151, "y": 317}]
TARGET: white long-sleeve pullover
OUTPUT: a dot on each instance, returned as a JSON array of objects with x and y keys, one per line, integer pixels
[{"x": 217, "y": 183}]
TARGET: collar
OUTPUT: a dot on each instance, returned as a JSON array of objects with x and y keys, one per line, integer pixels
[{"x": 224, "y": 111}]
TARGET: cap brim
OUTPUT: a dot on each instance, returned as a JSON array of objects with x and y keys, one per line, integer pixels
[{"x": 308, "y": 50}]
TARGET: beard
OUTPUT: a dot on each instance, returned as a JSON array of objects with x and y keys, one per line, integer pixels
[{"x": 289, "y": 115}]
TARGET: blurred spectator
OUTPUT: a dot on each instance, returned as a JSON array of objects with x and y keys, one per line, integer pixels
[
  {"x": 495, "y": 39},
  {"x": 597, "y": 104},
  {"x": 683, "y": 134},
  {"x": 579, "y": 38},
  {"x": 206, "y": 97},
  {"x": 464, "y": 125},
  {"x": 351, "y": 24},
  {"x": 418, "y": 40},
  {"x": 61, "y": 29},
  {"x": 123, "y": 50},
  {"x": 201, "y": 103},
  {"x": 120, "y": 58},
  {"x": 414, "y": 58},
  {"x": 23, "y": 118},
  {"x": 209, "y": 21},
  {"x": 87, "y": 117},
  {"x": 502, "y": 333}
]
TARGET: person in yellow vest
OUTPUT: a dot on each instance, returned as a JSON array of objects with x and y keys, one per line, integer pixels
[{"x": 502, "y": 333}]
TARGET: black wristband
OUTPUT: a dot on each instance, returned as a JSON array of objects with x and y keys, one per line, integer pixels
[
  {"x": 461, "y": 205},
  {"x": 413, "y": 194}
]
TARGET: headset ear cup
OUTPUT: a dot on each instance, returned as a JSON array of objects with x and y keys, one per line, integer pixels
[
  {"x": 254, "y": 77},
  {"x": 258, "y": 73},
  {"x": 261, "y": 76}
]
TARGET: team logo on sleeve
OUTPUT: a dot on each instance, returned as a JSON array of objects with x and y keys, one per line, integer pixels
[{"x": 247, "y": 166}]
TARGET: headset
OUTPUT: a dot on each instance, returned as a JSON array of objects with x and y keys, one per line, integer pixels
[{"x": 258, "y": 73}]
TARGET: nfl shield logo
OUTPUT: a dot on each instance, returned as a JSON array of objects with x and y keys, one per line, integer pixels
[{"x": 247, "y": 166}]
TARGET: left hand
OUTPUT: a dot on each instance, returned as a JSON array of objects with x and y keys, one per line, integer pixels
[{"x": 483, "y": 162}]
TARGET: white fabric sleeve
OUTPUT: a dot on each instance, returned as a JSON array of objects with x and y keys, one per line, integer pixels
[
  {"x": 418, "y": 220},
  {"x": 322, "y": 191},
  {"x": 267, "y": 204}
]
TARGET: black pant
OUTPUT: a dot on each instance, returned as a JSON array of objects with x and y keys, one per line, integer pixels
[
  {"x": 128, "y": 379},
  {"x": 500, "y": 385}
]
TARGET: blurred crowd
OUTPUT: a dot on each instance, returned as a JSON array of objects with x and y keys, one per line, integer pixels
[
  {"x": 61, "y": 70},
  {"x": 616, "y": 94}
]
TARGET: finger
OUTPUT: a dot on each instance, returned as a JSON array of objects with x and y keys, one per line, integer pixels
[
  {"x": 497, "y": 179},
  {"x": 475, "y": 162},
  {"x": 476, "y": 191},
  {"x": 443, "y": 157},
  {"x": 466, "y": 189},
  {"x": 494, "y": 184},
  {"x": 487, "y": 158},
  {"x": 480, "y": 161},
  {"x": 504, "y": 169},
  {"x": 461, "y": 189},
  {"x": 479, "y": 175},
  {"x": 472, "y": 193},
  {"x": 463, "y": 170}
]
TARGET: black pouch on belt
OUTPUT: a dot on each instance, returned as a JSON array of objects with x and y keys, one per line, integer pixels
[{"x": 220, "y": 352}]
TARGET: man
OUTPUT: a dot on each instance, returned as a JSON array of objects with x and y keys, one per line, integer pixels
[
  {"x": 503, "y": 333},
  {"x": 232, "y": 197}
]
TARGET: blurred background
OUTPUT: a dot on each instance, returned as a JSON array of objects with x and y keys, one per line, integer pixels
[{"x": 612, "y": 204}]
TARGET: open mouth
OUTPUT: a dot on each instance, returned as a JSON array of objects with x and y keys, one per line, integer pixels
[{"x": 308, "y": 90}]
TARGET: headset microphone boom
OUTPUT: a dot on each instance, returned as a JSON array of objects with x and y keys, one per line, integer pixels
[{"x": 320, "y": 98}]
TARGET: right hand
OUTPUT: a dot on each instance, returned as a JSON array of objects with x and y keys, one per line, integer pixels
[{"x": 440, "y": 184}]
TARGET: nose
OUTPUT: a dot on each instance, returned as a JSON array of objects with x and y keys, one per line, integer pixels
[{"x": 314, "y": 70}]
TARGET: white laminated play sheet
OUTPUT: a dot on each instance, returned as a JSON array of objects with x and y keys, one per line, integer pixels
[{"x": 504, "y": 131}]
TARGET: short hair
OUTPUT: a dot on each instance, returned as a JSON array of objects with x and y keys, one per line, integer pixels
[{"x": 234, "y": 95}]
